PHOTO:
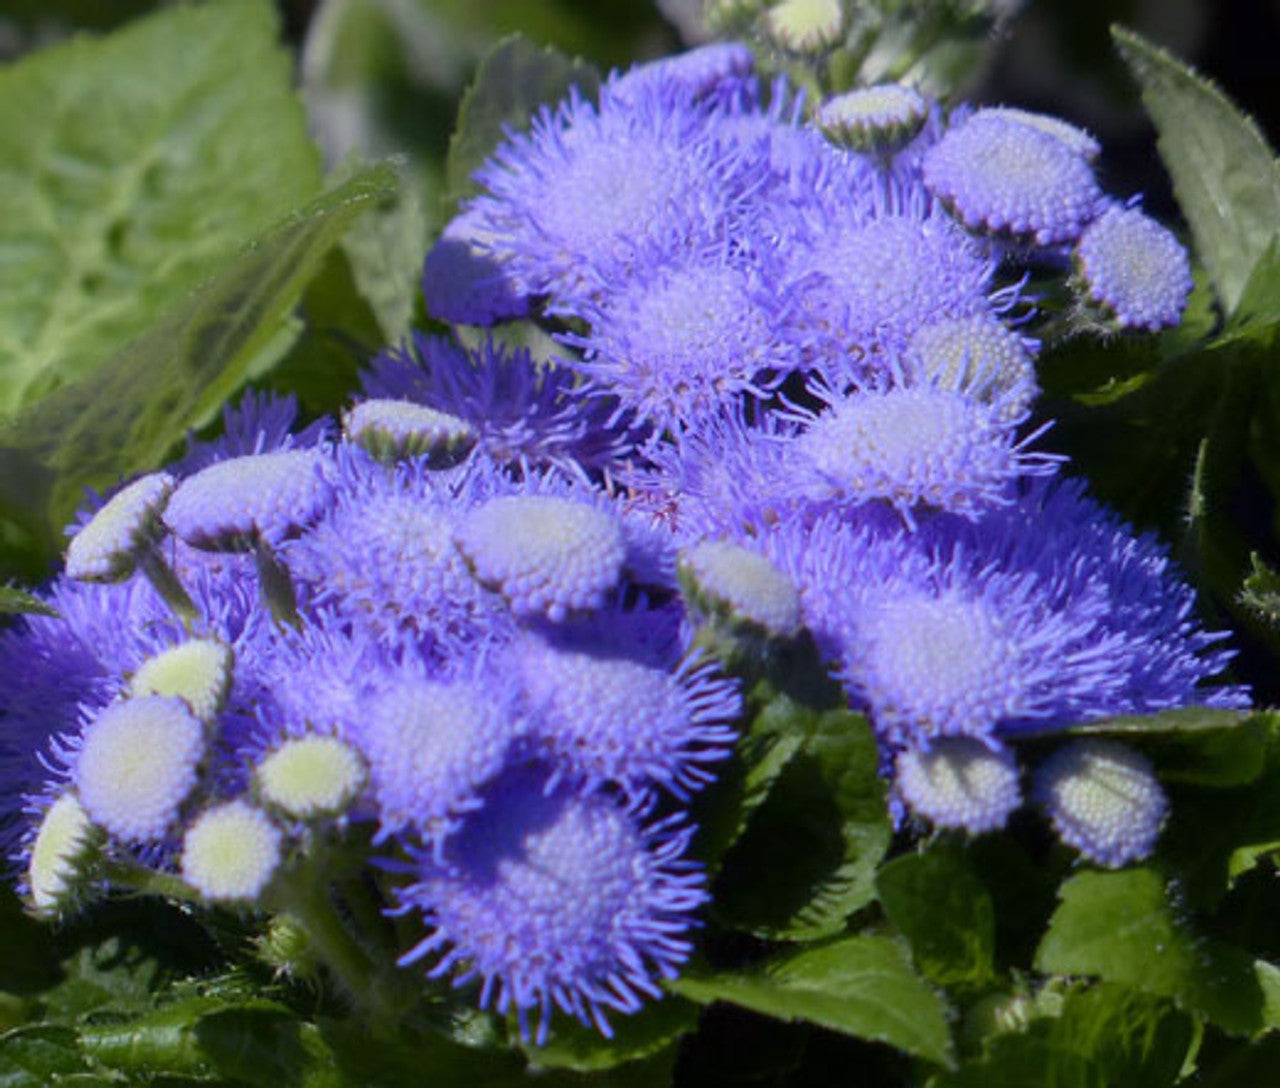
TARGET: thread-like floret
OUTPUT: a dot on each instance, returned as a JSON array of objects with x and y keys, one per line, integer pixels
[
  {"x": 231, "y": 852},
  {"x": 233, "y": 503},
  {"x": 724, "y": 577},
  {"x": 546, "y": 555},
  {"x": 883, "y": 116},
  {"x": 137, "y": 764},
  {"x": 553, "y": 899},
  {"x": 1003, "y": 175},
  {"x": 63, "y": 848},
  {"x": 310, "y": 777},
  {"x": 1104, "y": 799},
  {"x": 431, "y": 746},
  {"x": 463, "y": 282},
  {"x": 720, "y": 72},
  {"x": 395, "y": 430},
  {"x": 1135, "y": 269},
  {"x": 108, "y": 547},
  {"x": 960, "y": 782},
  {"x": 197, "y": 671}
]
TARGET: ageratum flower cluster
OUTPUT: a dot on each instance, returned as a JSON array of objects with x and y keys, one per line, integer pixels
[{"x": 792, "y": 392}]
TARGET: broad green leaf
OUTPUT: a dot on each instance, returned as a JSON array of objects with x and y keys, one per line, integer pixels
[
  {"x": 1224, "y": 174},
  {"x": 1204, "y": 746},
  {"x": 1121, "y": 927},
  {"x": 127, "y": 415},
  {"x": 385, "y": 248},
  {"x": 654, "y": 1028},
  {"x": 42, "y": 1056},
  {"x": 861, "y": 986},
  {"x": 131, "y": 168},
  {"x": 938, "y": 902},
  {"x": 772, "y": 738},
  {"x": 15, "y": 601},
  {"x": 809, "y": 855},
  {"x": 1257, "y": 316},
  {"x": 1103, "y": 1037},
  {"x": 513, "y": 81}
]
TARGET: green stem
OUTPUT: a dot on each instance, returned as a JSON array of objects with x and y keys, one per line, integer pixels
[
  {"x": 304, "y": 896},
  {"x": 166, "y": 583},
  {"x": 276, "y": 586},
  {"x": 144, "y": 881}
]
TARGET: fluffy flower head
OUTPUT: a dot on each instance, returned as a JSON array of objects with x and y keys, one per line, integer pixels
[
  {"x": 545, "y": 554},
  {"x": 137, "y": 764},
  {"x": 231, "y": 852},
  {"x": 959, "y": 782},
  {"x": 198, "y": 671},
  {"x": 1135, "y": 269},
  {"x": 108, "y": 547}
]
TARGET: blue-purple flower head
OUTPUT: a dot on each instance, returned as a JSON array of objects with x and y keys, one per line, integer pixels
[
  {"x": 689, "y": 329},
  {"x": 557, "y": 899},
  {"x": 382, "y": 556},
  {"x": 1134, "y": 269},
  {"x": 913, "y": 446},
  {"x": 1042, "y": 613},
  {"x": 1104, "y": 799},
  {"x": 876, "y": 273},
  {"x": 881, "y": 117},
  {"x": 1000, "y": 174},
  {"x": 546, "y": 555},
  {"x": 959, "y": 782},
  {"x": 608, "y": 709},
  {"x": 137, "y": 763},
  {"x": 577, "y": 193},
  {"x": 108, "y": 546},
  {"x": 431, "y": 745},
  {"x": 257, "y": 497},
  {"x": 523, "y": 411}
]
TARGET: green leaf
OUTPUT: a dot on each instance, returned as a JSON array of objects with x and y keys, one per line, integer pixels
[
  {"x": 1257, "y": 315},
  {"x": 1121, "y": 927},
  {"x": 1204, "y": 746},
  {"x": 861, "y": 986},
  {"x": 15, "y": 601},
  {"x": 654, "y": 1028},
  {"x": 513, "y": 81},
  {"x": 41, "y": 1056},
  {"x": 131, "y": 167},
  {"x": 939, "y": 903},
  {"x": 127, "y": 416},
  {"x": 385, "y": 248},
  {"x": 771, "y": 740},
  {"x": 808, "y": 858},
  {"x": 1224, "y": 174},
  {"x": 1104, "y": 1036}
]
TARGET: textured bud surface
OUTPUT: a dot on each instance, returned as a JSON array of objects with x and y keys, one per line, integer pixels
[
  {"x": 960, "y": 782},
  {"x": 197, "y": 671},
  {"x": 107, "y": 548},
  {"x": 138, "y": 764},
  {"x": 231, "y": 852},
  {"x": 307, "y": 777},
  {"x": 1136, "y": 269},
  {"x": 744, "y": 584},
  {"x": 63, "y": 844}
]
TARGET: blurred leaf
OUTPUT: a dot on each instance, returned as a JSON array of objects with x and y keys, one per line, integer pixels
[
  {"x": 16, "y": 601},
  {"x": 861, "y": 986},
  {"x": 808, "y": 857},
  {"x": 1121, "y": 927},
  {"x": 131, "y": 167},
  {"x": 1104, "y": 1036},
  {"x": 513, "y": 81},
  {"x": 385, "y": 248},
  {"x": 127, "y": 416},
  {"x": 1257, "y": 316},
  {"x": 1224, "y": 174},
  {"x": 654, "y": 1028},
  {"x": 939, "y": 903},
  {"x": 44, "y": 1057}
]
